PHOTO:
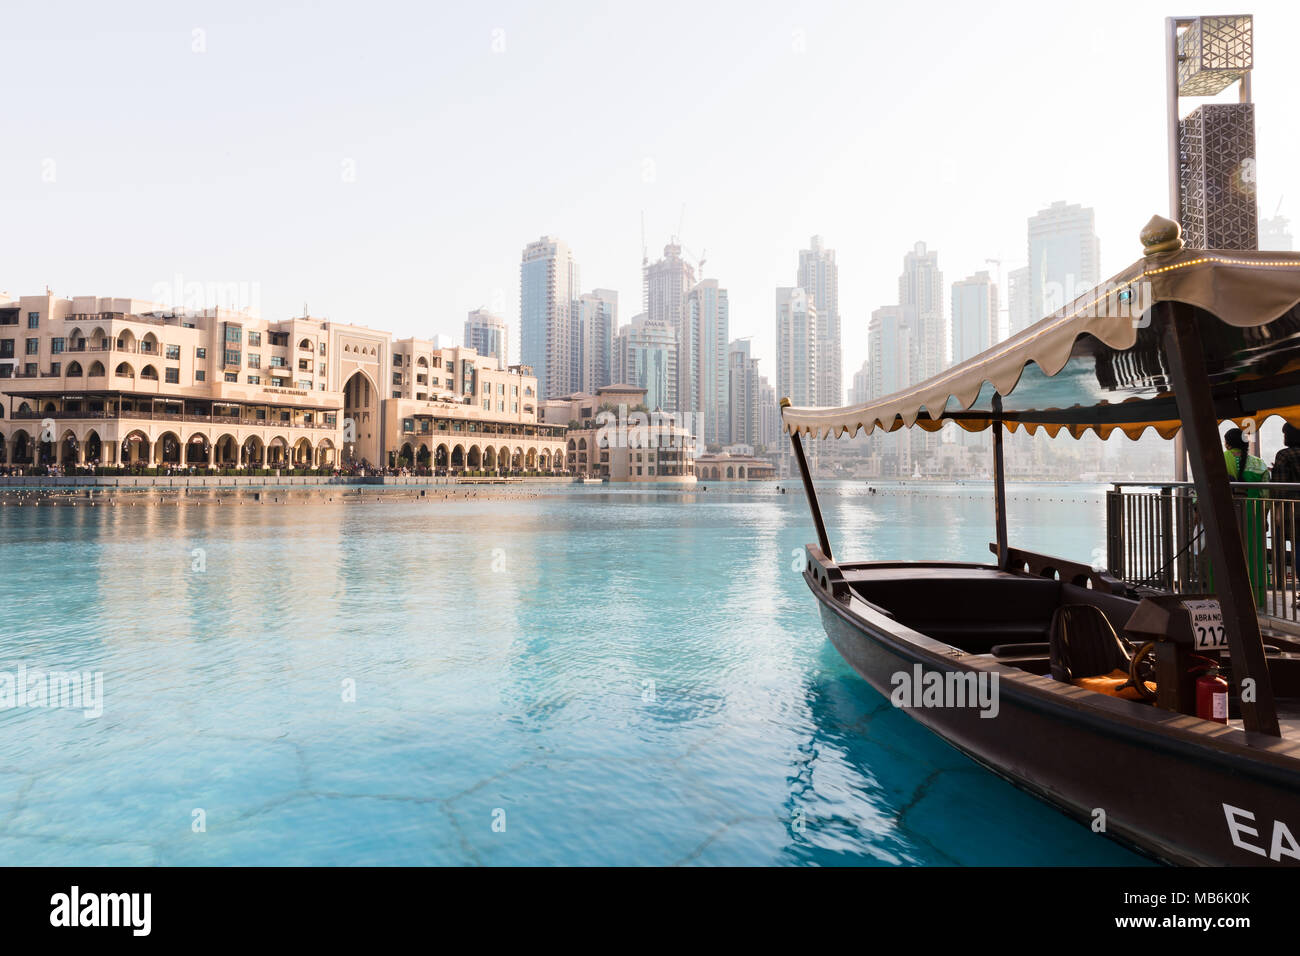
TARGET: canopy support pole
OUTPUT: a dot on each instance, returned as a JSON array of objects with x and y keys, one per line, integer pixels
[
  {"x": 1183, "y": 349},
  {"x": 1000, "y": 486},
  {"x": 822, "y": 540}
]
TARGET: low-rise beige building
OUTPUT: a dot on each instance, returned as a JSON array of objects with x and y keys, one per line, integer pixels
[
  {"x": 608, "y": 439},
  {"x": 111, "y": 382}
]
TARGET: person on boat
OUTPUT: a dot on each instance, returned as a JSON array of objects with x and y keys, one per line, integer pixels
[
  {"x": 1286, "y": 468},
  {"x": 1245, "y": 467}
]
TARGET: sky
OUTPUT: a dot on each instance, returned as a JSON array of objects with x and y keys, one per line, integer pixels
[{"x": 384, "y": 164}]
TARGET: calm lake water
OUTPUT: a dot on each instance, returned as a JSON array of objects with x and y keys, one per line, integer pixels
[{"x": 595, "y": 675}]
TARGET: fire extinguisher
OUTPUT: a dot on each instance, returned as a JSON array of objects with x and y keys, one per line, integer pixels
[{"x": 1212, "y": 696}]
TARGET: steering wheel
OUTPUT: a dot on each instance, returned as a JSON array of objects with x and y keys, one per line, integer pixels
[{"x": 1141, "y": 668}]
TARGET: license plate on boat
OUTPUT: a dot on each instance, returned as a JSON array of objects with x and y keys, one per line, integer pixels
[{"x": 1207, "y": 624}]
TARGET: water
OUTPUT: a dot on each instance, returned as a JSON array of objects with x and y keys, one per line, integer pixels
[{"x": 598, "y": 675}]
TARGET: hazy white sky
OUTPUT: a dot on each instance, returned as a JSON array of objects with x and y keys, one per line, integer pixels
[{"x": 386, "y": 163}]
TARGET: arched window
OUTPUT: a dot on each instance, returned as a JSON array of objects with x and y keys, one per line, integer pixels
[{"x": 74, "y": 370}]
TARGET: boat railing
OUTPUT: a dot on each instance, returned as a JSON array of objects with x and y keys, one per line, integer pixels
[{"x": 1155, "y": 539}]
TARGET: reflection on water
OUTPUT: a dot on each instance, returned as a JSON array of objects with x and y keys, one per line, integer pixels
[{"x": 599, "y": 675}]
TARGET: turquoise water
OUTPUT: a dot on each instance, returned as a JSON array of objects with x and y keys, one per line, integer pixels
[{"x": 597, "y": 675}]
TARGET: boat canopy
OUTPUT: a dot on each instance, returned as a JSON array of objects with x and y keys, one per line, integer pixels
[{"x": 1097, "y": 364}]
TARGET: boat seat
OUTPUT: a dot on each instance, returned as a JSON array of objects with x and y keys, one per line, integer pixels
[{"x": 1083, "y": 644}]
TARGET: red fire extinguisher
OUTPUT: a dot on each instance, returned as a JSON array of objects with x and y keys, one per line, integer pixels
[{"x": 1212, "y": 696}]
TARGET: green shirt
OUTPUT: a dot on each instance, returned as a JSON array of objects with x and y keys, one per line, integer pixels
[{"x": 1255, "y": 469}]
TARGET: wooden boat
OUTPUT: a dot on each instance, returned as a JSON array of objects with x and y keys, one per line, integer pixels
[{"x": 1018, "y": 662}]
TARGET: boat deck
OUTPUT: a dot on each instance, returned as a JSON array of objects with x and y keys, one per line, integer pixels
[{"x": 1005, "y": 617}]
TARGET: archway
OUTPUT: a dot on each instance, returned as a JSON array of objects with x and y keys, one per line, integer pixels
[
  {"x": 360, "y": 418},
  {"x": 458, "y": 457},
  {"x": 302, "y": 453},
  {"x": 226, "y": 452},
  {"x": 167, "y": 449},
  {"x": 423, "y": 457},
  {"x": 441, "y": 457},
  {"x": 325, "y": 454},
  {"x": 135, "y": 449},
  {"x": 73, "y": 370},
  {"x": 277, "y": 452},
  {"x": 197, "y": 449},
  {"x": 490, "y": 458},
  {"x": 23, "y": 448},
  {"x": 253, "y": 453},
  {"x": 96, "y": 369},
  {"x": 68, "y": 449},
  {"x": 475, "y": 457}
]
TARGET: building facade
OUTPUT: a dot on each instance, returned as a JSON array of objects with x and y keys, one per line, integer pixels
[
  {"x": 549, "y": 336},
  {"x": 1064, "y": 257},
  {"x": 607, "y": 439},
  {"x": 819, "y": 276},
  {"x": 105, "y": 382},
  {"x": 1020, "y": 308},
  {"x": 488, "y": 335},
  {"x": 709, "y": 322},
  {"x": 597, "y": 313},
  {"x": 667, "y": 287},
  {"x": 974, "y": 330},
  {"x": 645, "y": 355},
  {"x": 796, "y": 346}
]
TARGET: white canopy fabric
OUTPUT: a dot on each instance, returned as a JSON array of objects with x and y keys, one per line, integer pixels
[{"x": 1116, "y": 378}]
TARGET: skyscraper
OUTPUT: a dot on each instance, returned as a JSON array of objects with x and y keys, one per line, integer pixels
[
  {"x": 488, "y": 334},
  {"x": 709, "y": 324},
  {"x": 550, "y": 338},
  {"x": 974, "y": 316},
  {"x": 597, "y": 317},
  {"x": 860, "y": 392},
  {"x": 1020, "y": 310},
  {"x": 974, "y": 329},
  {"x": 668, "y": 283},
  {"x": 819, "y": 276},
  {"x": 645, "y": 355},
  {"x": 921, "y": 288},
  {"x": 796, "y": 346},
  {"x": 1064, "y": 257},
  {"x": 891, "y": 343}
]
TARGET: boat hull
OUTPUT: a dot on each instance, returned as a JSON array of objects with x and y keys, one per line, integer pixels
[{"x": 1154, "y": 790}]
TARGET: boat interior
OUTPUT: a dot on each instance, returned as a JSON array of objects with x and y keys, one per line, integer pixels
[{"x": 1052, "y": 618}]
